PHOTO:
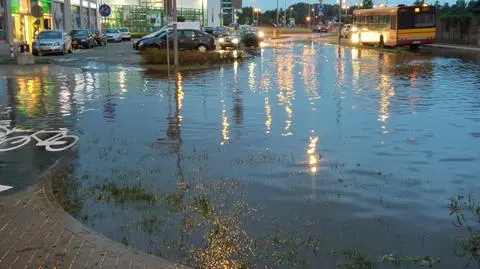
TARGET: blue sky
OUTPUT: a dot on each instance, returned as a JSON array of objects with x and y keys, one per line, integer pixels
[{"x": 272, "y": 4}]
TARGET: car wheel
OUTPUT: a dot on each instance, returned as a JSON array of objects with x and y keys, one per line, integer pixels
[{"x": 202, "y": 48}]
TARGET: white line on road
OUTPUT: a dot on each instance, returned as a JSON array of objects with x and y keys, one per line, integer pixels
[{"x": 4, "y": 188}]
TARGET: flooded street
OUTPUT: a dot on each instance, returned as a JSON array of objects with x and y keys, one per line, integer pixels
[{"x": 286, "y": 160}]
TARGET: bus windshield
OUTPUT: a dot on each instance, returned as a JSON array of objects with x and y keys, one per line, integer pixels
[{"x": 416, "y": 18}]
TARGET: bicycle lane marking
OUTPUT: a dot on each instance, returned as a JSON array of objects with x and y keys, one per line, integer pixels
[{"x": 4, "y": 188}]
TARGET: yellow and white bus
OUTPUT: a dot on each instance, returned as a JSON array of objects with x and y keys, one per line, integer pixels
[{"x": 395, "y": 26}]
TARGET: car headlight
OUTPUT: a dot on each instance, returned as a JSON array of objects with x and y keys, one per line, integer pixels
[
  {"x": 261, "y": 34},
  {"x": 140, "y": 44},
  {"x": 57, "y": 44},
  {"x": 235, "y": 41},
  {"x": 84, "y": 40},
  {"x": 221, "y": 40}
]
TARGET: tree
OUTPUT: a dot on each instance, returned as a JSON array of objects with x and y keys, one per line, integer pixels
[
  {"x": 418, "y": 2},
  {"x": 367, "y": 3}
]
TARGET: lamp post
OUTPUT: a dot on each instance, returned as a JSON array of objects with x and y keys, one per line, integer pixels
[{"x": 175, "y": 37}]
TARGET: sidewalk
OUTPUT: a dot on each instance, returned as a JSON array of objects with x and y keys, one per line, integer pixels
[
  {"x": 453, "y": 46},
  {"x": 35, "y": 232}
]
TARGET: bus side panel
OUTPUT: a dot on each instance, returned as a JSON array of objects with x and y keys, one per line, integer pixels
[
  {"x": 417, "y": 36},
  {"x": 392, "y": 38}
]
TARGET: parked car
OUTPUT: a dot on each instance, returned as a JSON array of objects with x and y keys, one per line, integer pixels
[
  {"x": 52, "y": 41},
  {"x": 113, "y": 35},
  {"x": 346, "y": 30},
  {"x": 221, "y": 31},
  {"x": 100, "y": 38},
  {"x": 188, "y": 39},
  {"x": 82, "y": 38},
  {"x": 322, "y": 28},
  {"x": 150, "y": 36},
  {"x": 209, "y": 30},
  {"x": 125, "y": 34},
  {"x": 245, "y": 38}
]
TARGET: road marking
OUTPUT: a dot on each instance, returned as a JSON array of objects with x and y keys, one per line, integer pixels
[{"x": 4, "y": 188}]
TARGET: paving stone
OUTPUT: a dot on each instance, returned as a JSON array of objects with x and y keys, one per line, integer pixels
[{"x": 36, "y": 233}]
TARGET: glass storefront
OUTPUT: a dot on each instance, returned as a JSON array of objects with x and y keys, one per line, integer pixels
[
  {"x": 76, "y": 17},
  {"x": 2, "y": 21},
  {"x": 57, "y": 9},
  {"x": 27, "y": 27}
]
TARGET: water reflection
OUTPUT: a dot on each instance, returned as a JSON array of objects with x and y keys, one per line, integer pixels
[
  {"x": 163, "y": 181},
  {"x": 285, "y": 80}
]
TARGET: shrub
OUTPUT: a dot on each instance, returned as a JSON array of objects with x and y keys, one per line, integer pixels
[
  {"x": 159, "y": 56},
  {"x": 136, "y": 35}
]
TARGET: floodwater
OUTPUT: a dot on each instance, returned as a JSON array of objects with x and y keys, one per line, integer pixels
[{"x": 307, "y": 156}]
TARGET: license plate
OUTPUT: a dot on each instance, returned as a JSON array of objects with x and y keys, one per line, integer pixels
[{"x": 416, "y": 42}]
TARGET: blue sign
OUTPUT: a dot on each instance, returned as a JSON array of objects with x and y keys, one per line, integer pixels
[
  {"x": 320, "y": 9},
  {"x": 105, "y": 10}
]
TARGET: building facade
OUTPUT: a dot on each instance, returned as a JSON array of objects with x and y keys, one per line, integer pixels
[{"x": 17, "y": 17}]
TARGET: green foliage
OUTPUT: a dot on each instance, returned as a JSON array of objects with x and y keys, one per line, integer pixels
[
  {"x": 367, "y": 4},
  {"x": 158, "y": 56},
  {"x": 418, "y": 2},
  {"x": 112, "y": 192},
  {"x": 65, "y": 188}
]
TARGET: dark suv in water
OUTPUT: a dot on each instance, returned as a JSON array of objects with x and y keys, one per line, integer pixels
[{"x": 187, "y": 40}]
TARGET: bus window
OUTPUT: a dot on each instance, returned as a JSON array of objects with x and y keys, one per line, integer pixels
[
  {"x": 388, "y": 22},
  {"x": 423, "y": 20},
  {"x": 405, "y": 19}
]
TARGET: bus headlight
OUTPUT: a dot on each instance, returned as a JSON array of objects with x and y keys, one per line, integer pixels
[{"x": 355, "y": 39}]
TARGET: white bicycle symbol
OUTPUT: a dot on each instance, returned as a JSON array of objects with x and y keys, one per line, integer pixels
[{"x": 60, "y": 140}]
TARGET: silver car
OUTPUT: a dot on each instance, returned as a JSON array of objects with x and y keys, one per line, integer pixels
[
  {"x": 125, "y": 34},
  {"x": 113, "y": 35},
  {"x": 52, "y": 41}
]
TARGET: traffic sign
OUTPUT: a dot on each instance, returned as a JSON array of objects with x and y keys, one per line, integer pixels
[{"x": 104, "y": 10}]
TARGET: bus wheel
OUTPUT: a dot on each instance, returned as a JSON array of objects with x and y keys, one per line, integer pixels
[
  {"x": 381, "y": 44},
  {"x": 414, "y": 47}
]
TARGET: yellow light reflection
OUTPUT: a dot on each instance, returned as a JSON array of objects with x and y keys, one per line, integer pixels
[
  {"x": 29, "y": 93},
  {"x": 310, "y": 71},
  {"x": 268, "y": 113},
  {"x": 387, "y": 91},
  {"x": 313, "y": 157},
  {"x": 180, "y": 92},
  {"x": 285, "y": 64},
  {"x": 225, "y": 125}
]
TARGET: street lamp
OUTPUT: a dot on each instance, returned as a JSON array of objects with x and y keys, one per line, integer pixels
[
  {"x": 308, "y": 19},
  {"x": 256, "y": 10}
]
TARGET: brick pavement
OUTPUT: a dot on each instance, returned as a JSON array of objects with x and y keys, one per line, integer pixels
[{"x": 35, "y": 232}]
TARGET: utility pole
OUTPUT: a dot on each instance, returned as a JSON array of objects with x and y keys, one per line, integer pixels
[
  {"x": 339, "y": 21},
  {"x": 278, "y": 14},
  {"x": 175, "y": 37},
  {"x": 203, "y": 16}
]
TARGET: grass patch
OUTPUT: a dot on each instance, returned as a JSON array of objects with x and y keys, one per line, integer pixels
[
  {"x": 65, "y": 189},
  {"x": 112, "y": 192},
  {"x": 159, "y": 56}
]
